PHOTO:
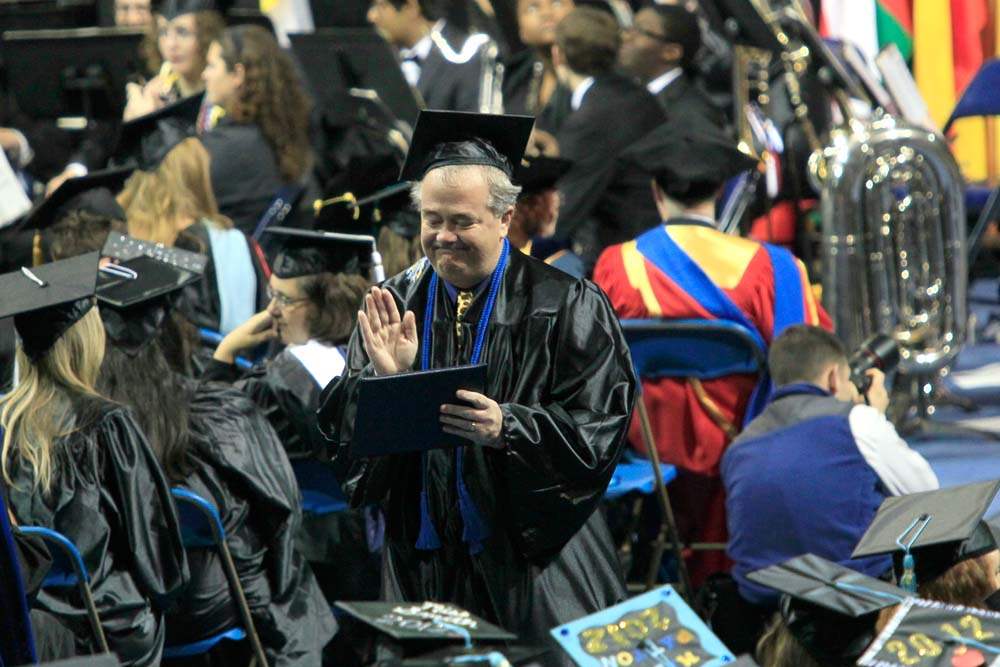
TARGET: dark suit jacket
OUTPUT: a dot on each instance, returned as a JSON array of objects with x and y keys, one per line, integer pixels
[
  {"x": 687, "y": 105},
  {"x": 605, "y": 201},
  {"x": 446, "y": 85}
]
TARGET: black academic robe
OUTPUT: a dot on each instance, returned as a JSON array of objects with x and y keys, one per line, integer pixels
[
  {"x": 242, "y": 468},
  {"x": 245, "y": 173},
  {"x": 688, "y": 107},
  {"x": 561, "y": 371},
  {"x": 286, "y": 393},
  {"x": 448, "y": 85},
  {"x": 605, "y": 201},
  {"x": 110, "y": 498}
]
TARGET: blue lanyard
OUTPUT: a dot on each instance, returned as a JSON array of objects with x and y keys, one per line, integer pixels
[
  {"x": 475, "y": 530},
  {"x": 426, "y": 343}
]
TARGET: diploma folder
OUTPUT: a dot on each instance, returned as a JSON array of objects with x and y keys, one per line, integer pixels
[{"x": 402, "y": 413}]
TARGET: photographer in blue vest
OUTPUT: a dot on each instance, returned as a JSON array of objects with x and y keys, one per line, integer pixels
[{"x": 809, "y": 473}]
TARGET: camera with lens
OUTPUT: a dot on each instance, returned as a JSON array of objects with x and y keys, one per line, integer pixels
[{"x": 879, "y": 351}]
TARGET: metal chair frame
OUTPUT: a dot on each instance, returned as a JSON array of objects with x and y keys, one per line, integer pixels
[
  {"x": 210, "y": 516},
  {"x": 639, "y": 333}
]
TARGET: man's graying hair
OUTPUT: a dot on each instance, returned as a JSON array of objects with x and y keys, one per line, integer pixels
[{"x": 503, "y": 193}]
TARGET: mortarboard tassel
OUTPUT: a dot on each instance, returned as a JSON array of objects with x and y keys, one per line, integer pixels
[
  {"x": 474, "y": 529},
  {"x": 908, "y": 579},
  {"x": 427, "y": 539}
]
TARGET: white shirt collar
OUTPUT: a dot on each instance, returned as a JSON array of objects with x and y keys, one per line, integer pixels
[
  {"x": 580, "y": 92},
  {"x": 422, "y": 48},
  {"x": 659, "y": 83},
  {"x": 324, "y": 362}
]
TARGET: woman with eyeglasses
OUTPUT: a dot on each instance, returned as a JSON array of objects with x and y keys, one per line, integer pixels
[{"x": 314, "y": 295}]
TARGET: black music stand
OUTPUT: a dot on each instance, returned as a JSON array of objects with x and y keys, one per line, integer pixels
[
  {"x": 55, "y": 74},
  {"x": 339, "y": 13},
  {"x": 338, "y": 59},
  {"x": 30, "y": 14}
]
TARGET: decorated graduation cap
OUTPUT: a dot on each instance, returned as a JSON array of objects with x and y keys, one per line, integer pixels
[
  {"x": 535, "y": 174},
  {"x": 47, "y": 300},
  {"x": 928, "y": 533},
  {"x": 688, "y": 163},
  {"x": 146, "y": 140},
  {"x": 446, "y": 138},
  {"x": 93, "y": 193},
  {"x": 171, "y": 9},
  {"x": 436, "y": 633},
  {"x": 830, "y": 609},
  {"x": 306, "y": 252},
  {"x": 923, "y": 633},
  {"x": 136, "y": 293},
  {"x": 655, "y": 628}
]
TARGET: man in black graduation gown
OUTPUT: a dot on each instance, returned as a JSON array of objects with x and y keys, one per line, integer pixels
[
  {"x": 506, "y": 526},
  {"x": 604, "y": 201},
  {"x": 659, "y": 49},
  {"x": 439, "y": 61}
]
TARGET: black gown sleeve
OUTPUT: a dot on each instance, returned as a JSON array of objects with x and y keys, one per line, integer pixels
[
  {"x": 562, "y": 452},
  {"x": 146, "y": 514}
]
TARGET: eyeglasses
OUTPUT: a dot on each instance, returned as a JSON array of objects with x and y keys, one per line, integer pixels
[{"x": 283, "y": 300}]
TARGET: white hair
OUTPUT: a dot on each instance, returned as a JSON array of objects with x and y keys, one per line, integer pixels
[{"x": 502, "y": 193}]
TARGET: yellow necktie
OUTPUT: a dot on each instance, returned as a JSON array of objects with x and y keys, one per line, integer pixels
[{"x": 462, "y": 304}]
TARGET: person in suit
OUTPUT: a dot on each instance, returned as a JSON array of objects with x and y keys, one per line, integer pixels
[
  {"x": 659, "y": 49},
  {"x": 439, "y": 61},
  {"x": 604, "y": 201}
]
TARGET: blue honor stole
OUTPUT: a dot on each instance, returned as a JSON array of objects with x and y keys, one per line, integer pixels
[
  {"x": 475, "y": 531},
  {"x": 662, "y": 251}
]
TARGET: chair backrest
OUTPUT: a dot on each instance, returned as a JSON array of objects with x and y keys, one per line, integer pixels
[
  {"x": 703, "y": 349},
  {"x": 981, "y": 96},
  {"x": 201, "y": 525},
  {"x": 68, "y": 568}
]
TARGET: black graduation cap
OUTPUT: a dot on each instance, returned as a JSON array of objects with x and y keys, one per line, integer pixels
[
  {"x": 924, "y": 633},
  {"x": 47, "y": 300},
  {"x": 829, "y": 608},
  {"x": 94, "y": 193},
  {"x": 366, "y": 194},
  {"x": 942, "y": 528},
  {"x": 535, "y": 174},
  {"x": 146, "y": 140},
  {"x": 136, "y": 296},
  {"x": 436, "y": 633},
  {"x": 688, "y": 162},
  {"x": 443, "y": 138},
  {"x": 306, "y": 252},
  {"x": 171, "y": 9}
]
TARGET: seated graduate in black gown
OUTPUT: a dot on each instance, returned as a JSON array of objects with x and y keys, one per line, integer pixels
[
  {"x": 79, "y": 464},
  {"x": 507, "y": 526},
  {"x": 315, "y": 291},
  {"x": 212, "y": 440}
]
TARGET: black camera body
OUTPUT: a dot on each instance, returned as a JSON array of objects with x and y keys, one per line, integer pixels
[{"x": 879, "y": 351}]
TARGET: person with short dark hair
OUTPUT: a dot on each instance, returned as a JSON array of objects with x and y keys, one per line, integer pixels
[
  {"x": 659, "y": 49},
  {"x": 686, "y": 268},
  {"x": 809, "y": 473},
  {"x": 439, "y": 61},
  {"x": 604, "y": 202}
]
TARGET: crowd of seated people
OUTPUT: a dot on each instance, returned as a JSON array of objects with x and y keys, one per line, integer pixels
[{"x": 213, "y": 383}]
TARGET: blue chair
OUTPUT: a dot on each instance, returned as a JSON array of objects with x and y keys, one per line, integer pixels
[
  {"x": 69, "y": 571},
  {"x": 201, "y": 528},
  {"x": 320, "y": 488},
  {"x": 695, "y": 349},
  {"x": 212, "y": 339}
]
